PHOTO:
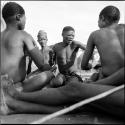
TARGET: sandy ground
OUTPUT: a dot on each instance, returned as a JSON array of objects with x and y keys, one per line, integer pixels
[{"x": 86, "y": 116}]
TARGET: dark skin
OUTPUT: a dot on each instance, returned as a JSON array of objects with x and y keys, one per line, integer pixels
[
  {"x": 41, "y": 101},
  {"x": 15, "y": 44},
  {"x": 109, "y": 41},
  {"x": 72, "y": 92},
  {"x": 45, "y": 51},
  {"x": 66, "y": 52},
  {"x": 65, "y": 57}
]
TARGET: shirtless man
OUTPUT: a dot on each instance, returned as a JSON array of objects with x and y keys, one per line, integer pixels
[
  {"x": 15, "y": 44},
  {"x": 51, "y": 99},
  {"x": 65, "y": 57},
  {"x": 46, "y": 51},
  {"x": 109, "y": 40}
]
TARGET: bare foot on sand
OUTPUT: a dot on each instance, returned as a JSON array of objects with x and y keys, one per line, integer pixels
[
  {"x": 5, "y": 100},
  {"x": 12, "y": 91}
]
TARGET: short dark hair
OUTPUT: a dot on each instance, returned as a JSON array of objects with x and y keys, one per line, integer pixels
[
  {"x": 111, "y": 13},
  {"x": 68, "y": 28},
  {"x": 10, "y": 9}
]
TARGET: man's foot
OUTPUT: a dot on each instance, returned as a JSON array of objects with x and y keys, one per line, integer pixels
[
  {"x": 53, "y": 69},
  {"x": 12, "y": 91},
  {"x": 5, "y": 100},
  {"x": 8, "y": 86}
]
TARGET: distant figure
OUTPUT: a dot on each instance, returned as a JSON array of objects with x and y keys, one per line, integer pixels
[{"x": 46, "y": 51}]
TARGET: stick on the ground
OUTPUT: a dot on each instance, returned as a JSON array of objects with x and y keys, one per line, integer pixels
[{"x": 79, "y": 104}]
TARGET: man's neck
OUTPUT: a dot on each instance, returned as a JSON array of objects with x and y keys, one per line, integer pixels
[
  {"x": 12, "y": 26},
  {"x": 66, "y": 44},
  {"x": 43, "y": 47},
  {"x": 113, "y": 25}
]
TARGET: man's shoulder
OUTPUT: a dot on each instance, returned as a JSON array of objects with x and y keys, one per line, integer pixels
[
  {"x": 122, "y": 26},
  {"x": 95, "y": 33},
  {"x": 26, "y": 35},
  {"x": 49, "y": 48},
  {"x": 57, "y": 45}
]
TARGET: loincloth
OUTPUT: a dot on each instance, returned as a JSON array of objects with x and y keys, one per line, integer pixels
[{"x": 70, "y": 75}]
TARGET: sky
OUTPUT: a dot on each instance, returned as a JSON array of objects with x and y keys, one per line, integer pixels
[{"x": 52, "y": 16}]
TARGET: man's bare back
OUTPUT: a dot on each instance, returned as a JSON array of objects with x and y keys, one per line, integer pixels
[
  {"x": 109, "y": 40},
  {"x": 12, "y": 54},
  {"x": 16, "y": 44}
]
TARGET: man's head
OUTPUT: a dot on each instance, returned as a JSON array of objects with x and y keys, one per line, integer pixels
[
  {"x": 108, "y": 16},
  {"x": 14, "y": 13},
  {"x": 42, "y": 38},
  {"x": 68, "y": 34}
]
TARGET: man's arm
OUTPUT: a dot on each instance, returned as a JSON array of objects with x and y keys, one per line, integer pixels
[
  {"x": 29, "y": 66},
  {"x": 115, "y": 79},
  {"x": 72, "y": 60},
  {"x": 80, "y": 45},
  {"x": 54, "y": 55},
  {"x": 88, "y": 52}
]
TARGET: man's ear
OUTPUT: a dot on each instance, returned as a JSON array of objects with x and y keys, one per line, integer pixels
[
  {"x": 102, "y": 18},
  {"x": 18, "y": 16}
]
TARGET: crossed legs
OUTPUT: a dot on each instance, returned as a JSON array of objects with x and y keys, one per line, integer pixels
[{"x": 51, "y": 99}]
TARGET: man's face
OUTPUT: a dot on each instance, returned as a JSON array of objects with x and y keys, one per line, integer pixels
[
  {"x": 101, "y": 22},
  {"x": 68, "y": 36},
  {"x": 22, "y": 22},
  {"x": 42, "y": 39}
]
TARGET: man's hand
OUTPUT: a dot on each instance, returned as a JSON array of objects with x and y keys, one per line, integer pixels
[
  {"x": 88, "y": 67},
  {"x": 53, "y": 68},
  {"x": 45, "y": 67}
]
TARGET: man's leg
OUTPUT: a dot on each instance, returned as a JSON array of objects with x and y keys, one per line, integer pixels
[
  {"x": 113, "y": 104},
  {"x": 71, "y": 93},
  {"x": 58, "y": 81},
  {"x": 12, "y": 106},
  {"x": 37, "y": 81}
]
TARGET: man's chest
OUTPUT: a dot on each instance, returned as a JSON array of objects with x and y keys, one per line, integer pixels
[
  {"x": 65, "y": 52},
  {"x": 45, "y": 54}
]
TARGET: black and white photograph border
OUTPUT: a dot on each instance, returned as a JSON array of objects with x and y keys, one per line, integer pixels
[{"x": 52, "y": 16}]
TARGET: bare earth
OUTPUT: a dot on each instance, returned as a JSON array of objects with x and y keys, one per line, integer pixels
[{"x": 84, "y": 115}]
